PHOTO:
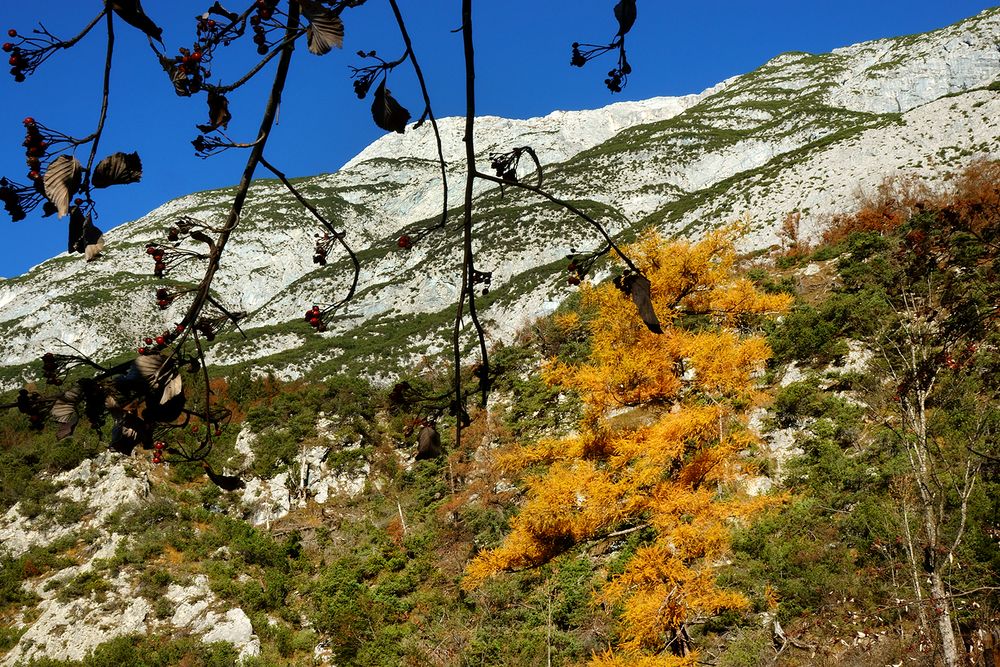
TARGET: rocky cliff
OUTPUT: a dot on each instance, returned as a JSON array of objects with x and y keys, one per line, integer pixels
[{"x": 804, "y": 133}]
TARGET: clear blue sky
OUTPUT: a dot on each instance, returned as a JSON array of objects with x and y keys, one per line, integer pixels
[{"x": 523, "y": 53}]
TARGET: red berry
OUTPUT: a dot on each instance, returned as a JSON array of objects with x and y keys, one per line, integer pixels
[
  {"x": 8, "y": 47},
  {"x": 315, "y": 309},
  {"x": 13, "y": 60},
  {"x": 405, "y": 242},
  {"x": 142, "y": 350},
  {"x": 28, "y": 122},
  {"x": 12, "y": 33},
  {"x": 160, "y": 340},
  {"x": 179, "y": 328},
  {"x": 150, "y": 250},
  {"x": 34, "y": 175},
  {"x": 148, "y": 341}
]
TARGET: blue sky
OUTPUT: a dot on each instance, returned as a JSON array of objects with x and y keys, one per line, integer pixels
[{"x": 523, "y": 52}]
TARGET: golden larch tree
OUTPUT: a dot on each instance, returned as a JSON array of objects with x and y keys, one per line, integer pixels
[{"x": 657, "y": 446}]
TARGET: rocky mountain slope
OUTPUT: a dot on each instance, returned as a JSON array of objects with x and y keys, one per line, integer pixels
[{"x": 802, "y": 133}]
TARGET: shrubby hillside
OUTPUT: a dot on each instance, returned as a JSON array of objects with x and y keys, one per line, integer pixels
[{"x": 801, "y": 470}]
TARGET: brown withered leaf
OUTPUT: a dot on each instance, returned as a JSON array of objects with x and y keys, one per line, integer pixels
[
  {"x": 637, "y": 287},
  {"x": 326, "y": 29},
  {"x": 62, "y": 181},
  {"x": 218, "y": 112},
  {"x": 64, "y": 411},
  {"x": 172, "y": 388},
  {"x": 84, "y": 236},
  {"x": 388, "y": 114},
  {"x": 625, "y": 12},
  {"x": 428, "y": 444},
  {"x": 150, "y": 368},
  {"x": 117, "y": 169},
  {"x": 131, "y": 12},
  {"x": 128, "y": 432}
]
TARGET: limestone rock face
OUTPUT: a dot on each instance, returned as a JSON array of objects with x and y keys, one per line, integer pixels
[
  {"x": 103, "y": 485},
  {"x": 803, "y": 132}
]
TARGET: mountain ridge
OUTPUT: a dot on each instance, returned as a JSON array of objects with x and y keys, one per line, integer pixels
[{"x": 802, "y": 133}]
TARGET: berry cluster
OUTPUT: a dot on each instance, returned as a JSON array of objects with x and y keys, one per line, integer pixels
[
  {"x": 153, "y": 345},
  {"x": 617, "y": 78},
  {"x": 50, "y": 369},
  {"x": 579, "y": 266},
  {"x": 186, "y": 71},
  {"x": 264, "y": 14},
  {"x": 315, "y": 318},
  {"x": 483, "y": 278},
  {"x": 35, "y": 146},
  {"x": 30, "y": 52},
  {"x": 19, "y": 200},
  {"x": 324, "y": 242},
  {"x": 206, "y": 146},
  {"x": 505, "y": 165},
  {"x": 158, "y": 448},
  {"x": 209, "y": 327},
  {"x": 405, "y": 242},
  {"x": 31, "y": 404},
  {"x": 157, "y": 253},
  {"x": 364, "y": 77},
  {"x": 17, "y": 61},
  {"x": 575, "y": 277},
  {"x": 164, "y": 298},
  {"x": 207, "y": 28}
]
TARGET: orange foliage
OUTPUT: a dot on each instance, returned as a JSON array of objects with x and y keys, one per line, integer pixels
[
  {"x": 674, "y": 470},
  {"x": 974, "y": 199},
  {"x": 892, "y": 203}
]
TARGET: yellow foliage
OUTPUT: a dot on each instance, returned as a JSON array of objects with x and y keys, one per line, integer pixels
[{"x": 675, "y": 469}]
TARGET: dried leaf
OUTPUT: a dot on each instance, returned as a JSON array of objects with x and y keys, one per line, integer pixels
[
  {"x": 92, "y": 250},
  {"x": 62, "y": 181},
  {"x": 219, "y": 10},
  {"x": 173, "y": 388},
  {"x": 64, "y": 407},
  {"x": 428, "y": 444},
  {"x": 128, "y": 431},
  {"x": 131, "y": 12},
  {"x": 625, "y": 12},
  {"x": 84, "y": 237},
  {"x": 117, "y": 169},
  {"x": 325, "y": 31},
  {"x": 64, "y": 411},
  {"x": 637, "y": 287},
  {"x": 387, "y": 112},
  {"x": 218, "y": 112},
  {"x": 165, "y": 411},
  {"x": 150, "y": 368}
]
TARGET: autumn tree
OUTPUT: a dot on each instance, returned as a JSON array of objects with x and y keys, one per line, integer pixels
[
  {"x": 938, "y": 392},
  {"x": 657, "y": 446}
]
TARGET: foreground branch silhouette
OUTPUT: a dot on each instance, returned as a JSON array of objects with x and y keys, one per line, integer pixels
[{"x": 149, "y": 397}]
